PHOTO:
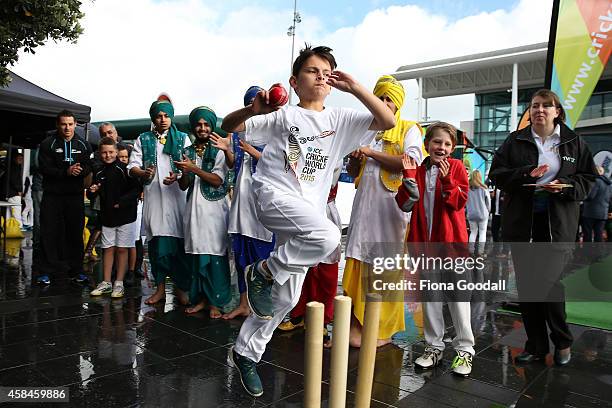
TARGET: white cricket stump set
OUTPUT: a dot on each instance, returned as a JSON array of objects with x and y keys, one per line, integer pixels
[{"x": 313, "y": 357}]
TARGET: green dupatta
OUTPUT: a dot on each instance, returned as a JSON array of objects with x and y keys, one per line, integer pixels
[
  {"x": 209, "y": 157},
  {"x": 173, "y": 148}
]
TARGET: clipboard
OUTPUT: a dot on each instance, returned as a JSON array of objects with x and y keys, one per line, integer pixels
[{"x": 549, "y": 185}]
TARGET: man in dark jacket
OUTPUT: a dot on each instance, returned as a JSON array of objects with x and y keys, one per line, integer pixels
[{"x": 64, "y": 161}]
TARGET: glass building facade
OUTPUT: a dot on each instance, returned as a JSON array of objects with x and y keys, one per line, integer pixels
[
  {"x": 492, "y": 113},
  {"x": 492, "y": 116}
]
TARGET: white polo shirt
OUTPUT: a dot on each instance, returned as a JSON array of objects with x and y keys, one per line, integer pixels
[{"x": 548, "y": 153}]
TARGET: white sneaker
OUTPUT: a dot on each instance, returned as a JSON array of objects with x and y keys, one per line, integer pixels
[
  {"x": 102, "y": 289},
  {"x": 430, "y": 358},
  {"x": 118, "y": 292},
  {"x": 462, "y": 363}
]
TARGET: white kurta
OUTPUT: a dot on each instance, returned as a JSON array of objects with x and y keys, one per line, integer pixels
[
  {"x": 164, "y": 206},
  {"x": 206, "y": 221},
  {"x": 376, "y": 217},
  {"x": 242, "y": 217}
]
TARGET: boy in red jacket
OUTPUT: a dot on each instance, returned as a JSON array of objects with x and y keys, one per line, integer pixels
[{"x": 436, "y": 193}]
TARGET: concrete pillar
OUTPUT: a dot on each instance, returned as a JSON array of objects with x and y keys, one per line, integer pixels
[{"x": 514, "y": 103}]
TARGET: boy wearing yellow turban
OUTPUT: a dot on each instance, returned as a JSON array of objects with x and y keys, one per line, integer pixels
[{"x": 375, "y": 217}]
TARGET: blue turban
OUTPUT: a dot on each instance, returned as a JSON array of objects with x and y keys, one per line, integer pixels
[{"x": 250, "y": 94}]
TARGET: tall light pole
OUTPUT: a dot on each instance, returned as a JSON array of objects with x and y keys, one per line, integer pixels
[{"x": 291, "y": 33}]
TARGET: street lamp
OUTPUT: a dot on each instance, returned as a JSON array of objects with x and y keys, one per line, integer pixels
[{"x": 291, "y": 33}]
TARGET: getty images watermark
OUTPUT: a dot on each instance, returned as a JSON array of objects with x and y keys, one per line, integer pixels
[{"x": 435, "y": 266}]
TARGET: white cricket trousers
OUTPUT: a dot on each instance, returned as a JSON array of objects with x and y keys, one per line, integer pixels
[
  {"x": 304, "y": 236},
  {"x": 434, "y": 325}
]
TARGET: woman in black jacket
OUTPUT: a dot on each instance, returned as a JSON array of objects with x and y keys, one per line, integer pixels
[{"x": 545, "y": 170}]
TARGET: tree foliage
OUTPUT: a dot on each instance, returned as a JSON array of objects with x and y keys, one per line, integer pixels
[{"x": 27, "y": 24}]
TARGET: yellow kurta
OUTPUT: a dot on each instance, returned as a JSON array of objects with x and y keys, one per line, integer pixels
[{"x": 391, "y": 313}]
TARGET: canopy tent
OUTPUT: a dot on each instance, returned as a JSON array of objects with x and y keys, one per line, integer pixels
[{"x": 27, "y": 111}]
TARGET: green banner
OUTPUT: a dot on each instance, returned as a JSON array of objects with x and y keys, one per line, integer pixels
[{"x": 582, "y": 47}]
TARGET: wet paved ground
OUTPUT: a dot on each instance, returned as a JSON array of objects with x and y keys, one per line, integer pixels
[{"x": 122, "y": 353}]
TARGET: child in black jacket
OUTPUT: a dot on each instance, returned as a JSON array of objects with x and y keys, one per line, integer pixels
[{"x": 118, "y": 201}]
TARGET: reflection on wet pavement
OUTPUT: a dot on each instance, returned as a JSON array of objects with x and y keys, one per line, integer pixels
[{"x": 122, "y": 353}]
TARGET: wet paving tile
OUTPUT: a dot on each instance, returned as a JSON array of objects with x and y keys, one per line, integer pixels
[
  {"x": 108, "y": 359},
  {"x": 498, "y": 394},
  {"x": 580, "y": 379},
  {"x": 177, "y": 345},
  {"x": 381, "y": 391},
  {"x": 415, "y": 401},
  {"x": 452, "y": 397},
  {"x": 297, "y": 400},
  {"x": 509, "y": 376},
  {"x": 204, "y": 393},
  {"x": 27, "y": 376},
  {"x": 294, "y": 361},
  {"x": 221, "y": 333},
  {"x": 572, "y": 401},
  {"x": 123, "y": 388},
  {"x": 198, "y": 366},
  {"x": 150, "y": 330},
  {"x": 178, "y": 319},
  {"x": 25, "y": 353},
  {"x": 32, "y": 331}
]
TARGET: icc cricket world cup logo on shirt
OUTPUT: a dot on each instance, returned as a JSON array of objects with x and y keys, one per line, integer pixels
[{"x": 294, "y": 147}]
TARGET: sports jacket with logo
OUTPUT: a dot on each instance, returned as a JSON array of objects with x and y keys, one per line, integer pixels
[
  {"x": 512, "y": 163},
  {"x": 55, "y": 155}
]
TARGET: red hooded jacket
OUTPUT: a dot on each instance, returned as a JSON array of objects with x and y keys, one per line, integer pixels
[{"x": 449, "y": 204}]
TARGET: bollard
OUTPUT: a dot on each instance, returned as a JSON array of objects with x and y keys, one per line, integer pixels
[
  {"x": 340, "y": 352},
  {"x": 367, "y": 353},
  {"x": 313, "y": 356}
]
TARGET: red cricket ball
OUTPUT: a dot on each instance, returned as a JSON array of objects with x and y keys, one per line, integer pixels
[{"x": 278, "y": 95}]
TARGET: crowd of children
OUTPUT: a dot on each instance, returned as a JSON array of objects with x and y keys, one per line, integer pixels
[
  {"x": 283, "y": 164},
  {"x": 280, "y": 219}
]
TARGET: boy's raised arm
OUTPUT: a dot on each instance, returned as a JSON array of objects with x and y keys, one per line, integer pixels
[
  {"x": 383, "y": 117},
  {"x": 234, "y": 122}
]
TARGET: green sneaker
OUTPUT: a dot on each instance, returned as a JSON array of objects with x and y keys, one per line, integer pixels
[
  {"x": 248, "y": 372},
  {"x": 258, "y": 292},
  {"x": 462, "y": 363},
  {"x": 102, "y": 289}
]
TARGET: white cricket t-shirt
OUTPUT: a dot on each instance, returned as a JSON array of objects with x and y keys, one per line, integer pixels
[{"x": 304, "y": 146}]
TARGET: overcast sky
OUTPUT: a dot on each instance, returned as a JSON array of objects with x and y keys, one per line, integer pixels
[{"x": 205, "y": 52}]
